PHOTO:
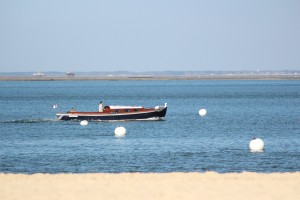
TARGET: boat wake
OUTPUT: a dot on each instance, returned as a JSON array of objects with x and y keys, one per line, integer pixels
[
  {"x": 151, "y": 119},
  {"x": 28, "y": 121}
]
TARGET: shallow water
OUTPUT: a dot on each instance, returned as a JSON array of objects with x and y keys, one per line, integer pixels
[{"x": 33, "y": 141}]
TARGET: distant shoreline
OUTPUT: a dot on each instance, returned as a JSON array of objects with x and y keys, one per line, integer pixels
[{"x": 128, "y": 78}]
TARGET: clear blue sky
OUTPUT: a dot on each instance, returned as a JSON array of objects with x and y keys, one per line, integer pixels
[{"x": 137, "y": 35}]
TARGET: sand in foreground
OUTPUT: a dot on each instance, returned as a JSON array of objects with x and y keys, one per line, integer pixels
[{"x": 139, "y": 186}]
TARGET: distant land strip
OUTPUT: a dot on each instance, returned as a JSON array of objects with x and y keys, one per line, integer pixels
[{"x": 123, "y": 78}]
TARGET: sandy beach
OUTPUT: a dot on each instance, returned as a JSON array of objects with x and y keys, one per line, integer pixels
[{"x": 209, "y": 185}]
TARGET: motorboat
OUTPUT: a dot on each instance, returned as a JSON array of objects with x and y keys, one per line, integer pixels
[
  {"x": 70, "y": 74},
  {"x": 117, "y": 113},
  {"x": 38, "y": 74}
]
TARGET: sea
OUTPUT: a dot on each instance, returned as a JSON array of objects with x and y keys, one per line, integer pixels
[{"x": 33, "y": 141}]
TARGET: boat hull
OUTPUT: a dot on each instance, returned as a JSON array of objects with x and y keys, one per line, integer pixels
[{"x": 96, "y": 116}]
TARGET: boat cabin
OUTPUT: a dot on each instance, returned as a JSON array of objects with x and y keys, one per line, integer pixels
[
  {"x": 119, "y": 109},
  {"x": 124, "y": 109}
]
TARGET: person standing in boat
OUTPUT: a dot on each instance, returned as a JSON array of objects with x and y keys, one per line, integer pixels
[{"x": 100, "y": 107}]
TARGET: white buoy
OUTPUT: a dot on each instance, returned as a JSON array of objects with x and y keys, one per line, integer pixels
[
  {"x": 120, "y": 131},
  {"x": 202, "y": 112},
  {"x": 256, "y": 145},
  {"x": 84, "y": 123}
]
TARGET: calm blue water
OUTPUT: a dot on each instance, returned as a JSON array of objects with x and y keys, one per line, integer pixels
[{"x": 32, "y": 141}]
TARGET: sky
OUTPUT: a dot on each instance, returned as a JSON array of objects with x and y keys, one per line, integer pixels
[{"x": 153, "y": 35}]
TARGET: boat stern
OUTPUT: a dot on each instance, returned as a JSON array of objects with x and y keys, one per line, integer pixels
[{"x": 64, "y": 116}]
